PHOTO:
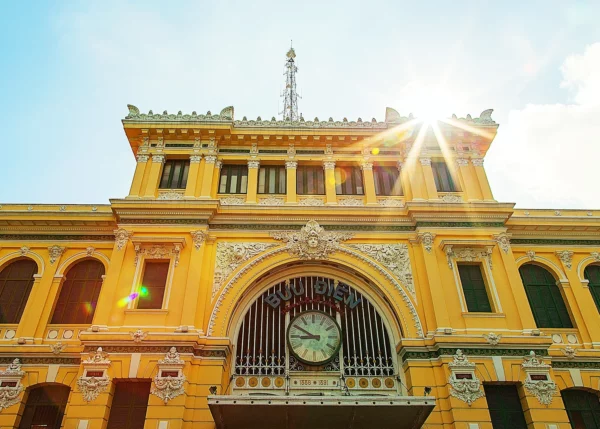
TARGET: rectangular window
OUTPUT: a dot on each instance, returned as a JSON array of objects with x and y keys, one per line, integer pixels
[
  {"x": 234, "y": 179},
  {"x": 443, "y": 178},
  {"x": 348, "y": 181},
  {"x": 271, "y": 180},
  {"x": 129, "y": 404},
  {"x": 505, "y": 406},
  {"x": 154, "y": 283},
  {"x": 474, "y": 288},
  {"x": 175, "y": 174},
  {"x": 387, "y": 180},
  {"x": 310, "y": 180}
]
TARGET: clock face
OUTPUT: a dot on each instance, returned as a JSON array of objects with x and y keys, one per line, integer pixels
[{"x": 314, "y": 337}]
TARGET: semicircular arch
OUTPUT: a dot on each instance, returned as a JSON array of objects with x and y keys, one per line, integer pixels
[
  {"x": 545, "y": 263},
  {"x": 15, "y": 256},
  {"x": 584, "y": 263},
  {"x": 80, "y": 256},
  {"x": 244, "y": 280}
]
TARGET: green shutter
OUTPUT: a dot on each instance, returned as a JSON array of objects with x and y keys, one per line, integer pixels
[
  {"x": 583, "y": 408},
  {"x": 474, "y": 288},
  {"x": 592, "y": 274},
  {"x": 546, "y": 301},
  {"x": 505, "y": 406}
]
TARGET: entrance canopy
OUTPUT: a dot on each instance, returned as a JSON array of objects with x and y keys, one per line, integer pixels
[{"x": 320, "y": 412}]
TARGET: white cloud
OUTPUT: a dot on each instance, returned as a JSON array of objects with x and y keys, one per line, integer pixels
[{"x": 547, "y": 156}]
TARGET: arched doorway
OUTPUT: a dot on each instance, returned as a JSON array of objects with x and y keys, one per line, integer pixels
[
  {"x": 45, "y": 407},
  {"x": 583, "y": 408},
  {"x": 287, "y": 341}
]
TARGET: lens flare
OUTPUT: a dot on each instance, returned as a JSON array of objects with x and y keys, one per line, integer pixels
[
  {"x": 129, "y": 298},
  {"x": 375, "y": 151},
  {"x": 143, "y": 291}
]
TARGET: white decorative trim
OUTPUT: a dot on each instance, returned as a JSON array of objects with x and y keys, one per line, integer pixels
[
  {"x": 121, "y": 237},
  {"x": 541, "y": 389},
  {"x": 426, "y": 238},
  {"x": 97, "y": 357},
  {"x": 210, "y": 159},
  {"x": 566, "y": 257},
  {"x": 168, "y": 387},
  {"x": 198, "y": 237},
  {"x": 468, "y": 254},
  {"x": 253, "y": 163},
  {"x": 569, "y": 352},
  {"x": 24, "y": 250},
  {"x": 232, "y": 201},
  {"x": 157, "y": 251},
  {"x": 530, "y": 254},
  {"x": 89, "y": 251},
  {"x": 354, "y": 202},
  {"x": 310, "y": 201},
  {"x": 138, "y": 336},
  {"x": 57, "y": 348},
  {"x": 477, "y": 162},
  {"x": 329, "y": 165},
  {"x": 55, "y": 252},
  {"x": 142, "y": 157},
  {"x": 492, "y": 339},
  {"x": 394, "y": 257},
  {"x": 312, "y": 241},
  {"x": 158, "y": 159},
  {"x": 230, "y": 256},
  {"x": 9, "y": 395},
  {"x": 291, "y": 164},
  {"x": 366, "y": 165},
  {"x": 91, "y": 387},
  {"x": 390, "y": 202},
  {"x": 271, "y": 201},
  {"x": 170, "y": 195},
  {"x": 462, "y": 162},
  {"x": 451, "y": 198},
  {"x": 195, "y": 159},
  {"x": 466, "y": 389},
  {"x": 503, "y": 241}
]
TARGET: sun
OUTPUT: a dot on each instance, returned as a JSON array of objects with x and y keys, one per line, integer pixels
[{"x": 430, "y": 102}]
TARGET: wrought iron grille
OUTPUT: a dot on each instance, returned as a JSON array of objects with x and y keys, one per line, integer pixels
[{"x": 261, "y": 344}]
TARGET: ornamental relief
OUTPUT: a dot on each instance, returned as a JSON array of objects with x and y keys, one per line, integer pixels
[
  {"x": 230, "y": 256},
  {"x": 394, "y": 257}
]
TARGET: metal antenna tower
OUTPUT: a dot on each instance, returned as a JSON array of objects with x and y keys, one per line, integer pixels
[{"x": 289, "y": 94}]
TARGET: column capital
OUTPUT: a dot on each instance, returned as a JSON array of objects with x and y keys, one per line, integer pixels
[
  {"x": 159, "y": 159},
  {"x": 462, "y": 162},
  {"x": 195, "y": 159},
  {"x": 366, "y": 165},
  {"x": 218, "y": 165},
  {"x": 210, "y": 159},
  {"x": 477, "y": 162},
  {"x": 142, "y": 157},
  {"x": 253, "y": 163},
  {"x": 291, "y": 164},
  {"x": 425, "y": 161},
  {"x": 329, "y": 165}
]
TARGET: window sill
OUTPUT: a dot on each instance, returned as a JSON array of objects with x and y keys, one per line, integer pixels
[
  {"x": 146, "y": 311},
  {"x": 483, "y": 315}
]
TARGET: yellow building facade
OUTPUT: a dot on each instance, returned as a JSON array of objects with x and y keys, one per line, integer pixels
[{"x": 300, "y": 274}]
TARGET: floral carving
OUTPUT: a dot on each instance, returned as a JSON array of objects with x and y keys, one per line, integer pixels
[
  {"x": 158, "y": 251},
  {"x": 394, "y": 257},
  {"x": 595, "y": 255},
  {"x": 13, "y": 369},
  {"x": 24, "y": 250},
  {"x": 271, "y": 201},
  {"x": 138, "y": 336},
  {"x": 232, "y": 201},
  {"x": 97, "y": 357},
  {"x": 426, "y": 239},
  {"x": 492, "y": 339},
  {"x": 569, "y": 352},
  {"x": 468, "y": 254},
  {"x": 170, "y": 195},
  {"x": 310, "y": 201},
  {"x": 226, "y": 115},
  {"x": 530, "y": 254},
  {"x": 291, "y": 150},
  {"x": 171, "y": 357},
  {"x": 351, "y": 202},
  {"x": 312, "y": 241},
  {"x": 57, "y": 348},
  {"x": 91, "y": 387},
  {"x": 55, "y": 253},
  {"x": 198, "y": 237},
  {"x": 142, "y": 157},
  {"x": 533, "y": 362},
  {"x": 466, "y": 389},
  {"x": 230, "y": 256},
  {"x": 291, "y": 164},
  {"x": 167, "y": 388},
  {"x": 195, "y": 159},
  {"x": 253, "y": 163},
  {"x": 566, "y": 257},
  {"x": 389, "y": 202},
  {"x": 157, "y": 158},
  {"x": 89, "y": 251},
  {"x": 541, "y": 389},
  {"x": 450, "y": 198},
  {"x": 9, "y": 395},
  {"x": 121, "y": 237},
  {"x": 210, "y": 159},
  {"x": 329, "y": 165}
]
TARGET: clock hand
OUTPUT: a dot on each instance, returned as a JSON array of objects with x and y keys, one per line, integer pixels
[
  {"x": 311, "y": 337},
  {"x": 303, "y": 330}
]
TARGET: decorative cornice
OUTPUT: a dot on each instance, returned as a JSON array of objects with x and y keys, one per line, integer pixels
[
  {"x": 44, "y": 237},
  {"x": 312, "y": 241},
  {"x": 226, "y": 115},
  {"x": 554, "y": 242}
]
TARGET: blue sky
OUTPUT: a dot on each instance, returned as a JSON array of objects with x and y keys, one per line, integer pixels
[{"x": 69, "y": 69}]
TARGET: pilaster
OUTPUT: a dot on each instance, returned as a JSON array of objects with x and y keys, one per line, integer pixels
[
  {"x": 469, "y": 180},
  {"x": 195, "y": 271},
  {"x": 430, "y": 189},
  {"x": 253, "y": 166},
  {"x": 192, "y": 180},
  {"x": 330, "y": 195},
  {"x": 291, "y": 168},
  {"x": 369, "y": 182},
  {"x": 207, "y": 177},
  {"x": 37, "y": 305},
  {"x": 482, "y": 179},
  {"x": 154, "y": 177},
  {"x": 138, "y": 176}
]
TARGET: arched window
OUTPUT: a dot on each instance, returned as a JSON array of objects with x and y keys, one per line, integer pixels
[
  {"x": 583, "y": 408},
  {"x": 45, "y": 407},
  {"x": 592, "y": 274},
  {"x": 79, "y": 293},
  {"x": 545, "y": 299},
  {"x": 16, "y": 281}
]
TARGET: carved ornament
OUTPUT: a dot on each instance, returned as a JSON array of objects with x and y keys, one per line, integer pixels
[
  {"x": 271, "y": 201},
  {"x": 425, "y": 161},
  {"x": 57, "y": 348},
  {"x": 9, "y": 395},
  {"x": 158, "y": 159},
  {"x": 91, "y": 387},
  {"x": 138, "y": 336},
  {"x": 198, "y": 237},
  {"x": 566, "y": 257},
  {"x": 462, "y": 162},
  {"x": 543, "y": 390},
  {"x": 310, "y": 201},
  {"x": 352, "y": 202},
  {"x": 492, "y": 339},
  {"x": 503, "y": 241},
  {"x": 451, "y": 198},
  {"x": 55, "y": 252},
  {"x": 121, "y": 237},
  {"x": 312, "y": 241},
  {"x": 426, "y": 238},
  {"x": 195, "y": 159},
  {"x": 291, "y": 164},
  {"x": 232, "y": 201},
  {"x": 253, "y": 163},
  {"x": 477, "y": 162},
  {"x": 468, "y": 254},
  {"x": 170, "y": 195},
  {"x": 390, "y": 202},
  {"x": 466, "y": 389},
  {"x": 530, "y": 254},
  {"x": 329, "y": 165},
  {"x": 157, "y": 251},
  {"x": 143, "y": 157}
]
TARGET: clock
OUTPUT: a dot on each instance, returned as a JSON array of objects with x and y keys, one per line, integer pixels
[{"x": 314, "y": 337}]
